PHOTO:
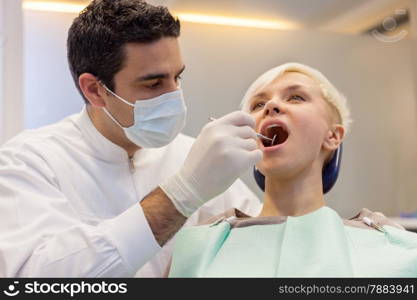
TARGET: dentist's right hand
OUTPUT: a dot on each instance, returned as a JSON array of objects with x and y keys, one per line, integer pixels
[{"x": 224, "y": 149}]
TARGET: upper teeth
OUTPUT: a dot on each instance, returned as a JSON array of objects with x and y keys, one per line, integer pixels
[{"x": 273, "y": 125}]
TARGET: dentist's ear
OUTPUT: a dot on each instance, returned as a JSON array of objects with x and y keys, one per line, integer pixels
[
  {"x": 92, "y": 89},
  {"x": 334, "y": 137}
]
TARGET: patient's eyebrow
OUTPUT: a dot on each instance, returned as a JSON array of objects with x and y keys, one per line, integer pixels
[
  {"x": 289, "y": 89},
  {"x": 295, "y": 87},
  {"x": 259, "y": 95}
]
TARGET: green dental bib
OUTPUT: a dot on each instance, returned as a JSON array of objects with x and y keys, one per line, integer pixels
[{"x": 318, "y": 244}]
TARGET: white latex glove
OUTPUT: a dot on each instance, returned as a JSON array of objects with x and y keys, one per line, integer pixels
[{"x": 224, "y": 149}]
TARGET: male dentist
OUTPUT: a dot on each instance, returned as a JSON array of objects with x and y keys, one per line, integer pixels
[{"x": 101, "y": 193}]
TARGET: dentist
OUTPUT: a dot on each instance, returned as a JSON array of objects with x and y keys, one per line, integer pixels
[{"x": 101, "y": 193}]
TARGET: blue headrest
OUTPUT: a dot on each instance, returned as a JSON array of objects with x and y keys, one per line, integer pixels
[{"x": 329, "y": 174}]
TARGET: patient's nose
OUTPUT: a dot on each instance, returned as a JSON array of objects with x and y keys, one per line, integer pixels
[{"x": 271, "y": 108}]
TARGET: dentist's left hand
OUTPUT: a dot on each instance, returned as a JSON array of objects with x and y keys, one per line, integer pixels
[{"x": 224, "y": 149}]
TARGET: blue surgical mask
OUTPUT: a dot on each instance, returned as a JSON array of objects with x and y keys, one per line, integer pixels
[{"x": 157, "y": 121}]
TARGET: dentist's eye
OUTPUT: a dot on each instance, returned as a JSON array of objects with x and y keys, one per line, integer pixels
[
  {"x": 178, "y": 80},
  {"x": 154, "y": 85},
  {"x": 297, "y": 98}
]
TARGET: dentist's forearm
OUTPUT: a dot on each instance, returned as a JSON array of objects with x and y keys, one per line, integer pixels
[{"x": 163, "y": 218}]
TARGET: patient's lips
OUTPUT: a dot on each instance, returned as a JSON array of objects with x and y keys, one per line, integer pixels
[{"x": 275, "y": 130}]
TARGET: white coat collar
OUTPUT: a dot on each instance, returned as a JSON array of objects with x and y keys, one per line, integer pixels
[{"x": 102, "y": 147}]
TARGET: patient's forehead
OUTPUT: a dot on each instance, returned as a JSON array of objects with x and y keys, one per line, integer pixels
[{"x": 291, "y": 79}]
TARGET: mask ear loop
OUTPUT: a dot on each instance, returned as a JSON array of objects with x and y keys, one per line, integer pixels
[
  {"x": 112, "y": 118},
  {"x": 330, "y": 172},
  {"x": 118, "y": 97}
]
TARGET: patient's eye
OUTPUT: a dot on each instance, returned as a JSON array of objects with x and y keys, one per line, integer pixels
[
  {"x": 296, "y": 98},
  {"x": 257, "y": 106}
]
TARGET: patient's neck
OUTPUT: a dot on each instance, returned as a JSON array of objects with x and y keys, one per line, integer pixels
[{"x": 293, "y": 196}]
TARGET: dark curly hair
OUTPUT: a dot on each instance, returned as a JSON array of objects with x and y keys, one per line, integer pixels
[{"x": 97, "y": 36}]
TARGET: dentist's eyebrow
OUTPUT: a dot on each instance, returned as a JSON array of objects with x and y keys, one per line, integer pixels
[
  {"x": 158, "y": 75},
  {"x": 180, "y": 72}
]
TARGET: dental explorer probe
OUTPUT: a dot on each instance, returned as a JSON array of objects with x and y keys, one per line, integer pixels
[{"x": 258, "y": 134}]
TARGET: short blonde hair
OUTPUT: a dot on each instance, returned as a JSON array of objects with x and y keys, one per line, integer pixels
[{"x": 329, "y": 91}]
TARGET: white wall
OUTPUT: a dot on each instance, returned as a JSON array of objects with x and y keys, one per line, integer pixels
[
  {"x": 50, "y": 94},
  {"x": 11, "y": 69},
  {"x": 379, "y": 165},
  {"x": 2, "y": 71}
]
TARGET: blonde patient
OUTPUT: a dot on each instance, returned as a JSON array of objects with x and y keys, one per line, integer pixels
[
  {"x": 308, "y": 130},
  {"x": 304, "y": 119}
]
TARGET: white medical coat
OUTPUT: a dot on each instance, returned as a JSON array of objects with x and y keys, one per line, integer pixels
[{"x": 69, "y": 203}]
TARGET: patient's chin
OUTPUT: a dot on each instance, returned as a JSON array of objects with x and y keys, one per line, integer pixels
[
  {"x": 273, "y": 162},
  {"x": 280, "y": 167},
  {"x": 276, "y": 169}
]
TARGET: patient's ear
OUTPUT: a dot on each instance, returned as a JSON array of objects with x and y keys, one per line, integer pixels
[{"x": 334, "y": 137}]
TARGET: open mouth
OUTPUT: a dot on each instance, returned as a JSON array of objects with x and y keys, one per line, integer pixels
[{"x": 276, "y": 135}]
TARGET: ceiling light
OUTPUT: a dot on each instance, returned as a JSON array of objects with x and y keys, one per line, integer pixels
[
  {"x": 67, "y": 7},
  {"x": 235, "y": 21}
]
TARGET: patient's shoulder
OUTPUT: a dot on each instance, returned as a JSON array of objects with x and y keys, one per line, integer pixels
[
  {"x": 377, "y": 218},
  {"x": 237, "y": 218}
]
